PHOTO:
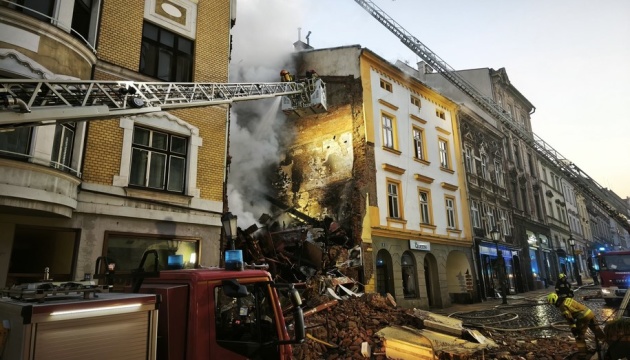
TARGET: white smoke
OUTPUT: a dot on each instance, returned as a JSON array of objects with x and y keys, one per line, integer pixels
[{"x": 262, "y": 41}]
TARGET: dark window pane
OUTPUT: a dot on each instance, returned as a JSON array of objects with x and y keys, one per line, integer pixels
[
  {"x": 185, "y": 46},
  {"x": 150, "y": 31},
  {"x": 81, "y": 17},
  {"x": 157, "y": 171},
  {"x": 141, "y": 136},
  {"x": 148, "y": 63},
  {"x": 138, "y": 167},
  {"x": 183, "y": 69},
  {"x": 176, "y": 174},
  {"x": 16, "y": 141},
  {"x": 165, "y": 59},
  {"x": 159, "y": 141},
  {"x": 178, "y": 145},
  {"x": 167, "y": 39},
  {"x": 39, "y": 7}
]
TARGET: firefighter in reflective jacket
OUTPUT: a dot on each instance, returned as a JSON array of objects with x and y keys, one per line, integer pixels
[
  {"x": 563, "y": 287},
  {"x": 285, "y": 76},
  {"x": 579, "y": 317}
]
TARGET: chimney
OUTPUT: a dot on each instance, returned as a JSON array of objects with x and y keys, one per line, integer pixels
[
  {"x": 425, "y": 68},
  {"x": 300, "y": 45}
]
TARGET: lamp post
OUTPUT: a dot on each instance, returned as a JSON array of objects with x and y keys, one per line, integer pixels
[
  {"x": 576, "y": 269},
  {"x": 229, "y": 222},
  {"x": 496, "y": 236}
]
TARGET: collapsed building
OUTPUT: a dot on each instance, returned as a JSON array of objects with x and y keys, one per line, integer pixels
[{"x": 374, "y": 188}]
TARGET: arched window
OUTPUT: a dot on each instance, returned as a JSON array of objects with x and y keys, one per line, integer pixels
[{"x": 409, "y": 276}]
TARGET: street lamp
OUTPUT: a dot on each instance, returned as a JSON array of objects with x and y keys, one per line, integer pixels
[
  {"x": 496, "y": 236},
  {"x": 578, "y": 277},
  {"x": 229, "y": 222}
]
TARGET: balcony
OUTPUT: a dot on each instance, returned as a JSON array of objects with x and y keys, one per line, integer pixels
[
  {"x": 40, "y": 50},
  {"x": 31, "y": 189}
]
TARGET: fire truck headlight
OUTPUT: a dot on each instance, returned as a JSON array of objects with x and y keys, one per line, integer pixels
[{"x": 605, "y": 291}]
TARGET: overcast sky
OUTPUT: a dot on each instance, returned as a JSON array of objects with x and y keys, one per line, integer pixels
[{"x": 570, "y": 58}]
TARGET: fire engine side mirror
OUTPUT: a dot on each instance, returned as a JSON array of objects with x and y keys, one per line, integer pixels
[
  {"x": 298, "y": 315},
  {"x": 298, "y": 323},
  {"x": 234, "y": 289}
]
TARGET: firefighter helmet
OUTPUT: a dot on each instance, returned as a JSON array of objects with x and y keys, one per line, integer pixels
[
  {"x": 552, "y": 298},
  {"x": 283, "y": 72},
  {"x": 562, "y": 276}
]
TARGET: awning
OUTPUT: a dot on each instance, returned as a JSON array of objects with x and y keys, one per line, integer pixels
[{"x": 561, "y": 252}]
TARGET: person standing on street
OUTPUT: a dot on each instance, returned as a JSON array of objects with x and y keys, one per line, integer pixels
[
  {"x": 579, "y": 317},
  {"x": 563, "y": 287}
]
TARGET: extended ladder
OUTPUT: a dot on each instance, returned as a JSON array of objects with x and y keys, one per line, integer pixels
[
  {"x": 577, "y": 177},
  {"x": 624, "y": 305},
  {"x": 41, "y": 102}
]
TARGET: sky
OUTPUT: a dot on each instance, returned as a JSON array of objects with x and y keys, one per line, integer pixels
[{"x": 569, "y": 58}]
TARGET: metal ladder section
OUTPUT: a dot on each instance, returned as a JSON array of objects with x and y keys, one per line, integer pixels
[
  {"x": 580, "y": 179},
  {"x": 41, "y": 100},
  {"x": 624, "y": 305}
]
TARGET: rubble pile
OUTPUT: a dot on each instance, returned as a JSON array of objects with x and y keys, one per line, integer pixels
[
  {"x": 338, "y": 331},
  {"x": 320, "y": 259}
]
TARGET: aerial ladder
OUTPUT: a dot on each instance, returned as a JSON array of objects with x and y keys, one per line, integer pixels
[
  {"x": 44, "y": 102},
  {"x": 575, "y": 175}
]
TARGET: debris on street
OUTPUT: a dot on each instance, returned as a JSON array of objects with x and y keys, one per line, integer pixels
[{"x": 342, "y": 322}]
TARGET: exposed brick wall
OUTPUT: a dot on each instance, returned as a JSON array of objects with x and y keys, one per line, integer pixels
[
  {"x": 121, "y": 33},
  {"x": 104, "y": 146},
  {"x": 213, "y": 41}
]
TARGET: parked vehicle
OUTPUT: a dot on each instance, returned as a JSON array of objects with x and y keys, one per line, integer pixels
[{"x": 614, "y": 273}]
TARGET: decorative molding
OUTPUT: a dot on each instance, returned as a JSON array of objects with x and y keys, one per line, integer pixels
[
  {"x": 393, "y": 169},
  {"x": 443, "y": 131},
  {"x": 388, "y": 104},
  {"x": 166, "y": 122},
  {"x": 179, "y": 16},
  {"x": 19, "y": 64},
  {"x": 418, "y": 119},
  {"x": 423, "y": 178},
  {"x": 448, "y": 186}
]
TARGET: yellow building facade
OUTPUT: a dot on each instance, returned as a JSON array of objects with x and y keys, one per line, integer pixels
[{"x": 115, "y": 187}]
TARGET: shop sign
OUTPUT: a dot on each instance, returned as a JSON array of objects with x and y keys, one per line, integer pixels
[{"x": 419, "y": 245}]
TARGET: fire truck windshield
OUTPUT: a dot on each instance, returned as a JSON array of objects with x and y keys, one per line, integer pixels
[{"x": 616, "y": 262}]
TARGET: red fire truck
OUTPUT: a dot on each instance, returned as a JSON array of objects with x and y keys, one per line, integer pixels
[
  {"x": 187, "y": 314},
  {"x": 614, "y": 273}
]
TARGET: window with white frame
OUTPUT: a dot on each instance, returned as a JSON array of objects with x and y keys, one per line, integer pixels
[
  {"x": 388, "y": 131},
  {"x": 451, "y": 218},
  {"x": 484, "y": 166},
  {"x": 416, "y": 101},
  {"x": 443, "y": 149},
  {"x": 63, "y": 144},
  {"x": 393, "y": 198},
  {"x": 418, "y": 143},
  {"x": 498, "y": 173},
  {"x": 158, "y": 160},
  {"x": 468, "y": 159},
  {"x": 425, "y": 209},
  {"x": 490, "y": 218},
  {"x": 474, "y": 211},
  {"x": 505, "y": 222}
]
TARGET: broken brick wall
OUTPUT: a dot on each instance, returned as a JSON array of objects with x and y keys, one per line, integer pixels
[{"x": 328, "y": 169}]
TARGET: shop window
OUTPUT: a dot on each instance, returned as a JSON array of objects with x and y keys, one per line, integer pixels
[
  {"x": 409, "y": 276},
  {"x": 35, "y": 249}
]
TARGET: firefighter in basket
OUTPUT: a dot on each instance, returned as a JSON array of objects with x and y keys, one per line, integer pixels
[{"x": 579, "y": 317}]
